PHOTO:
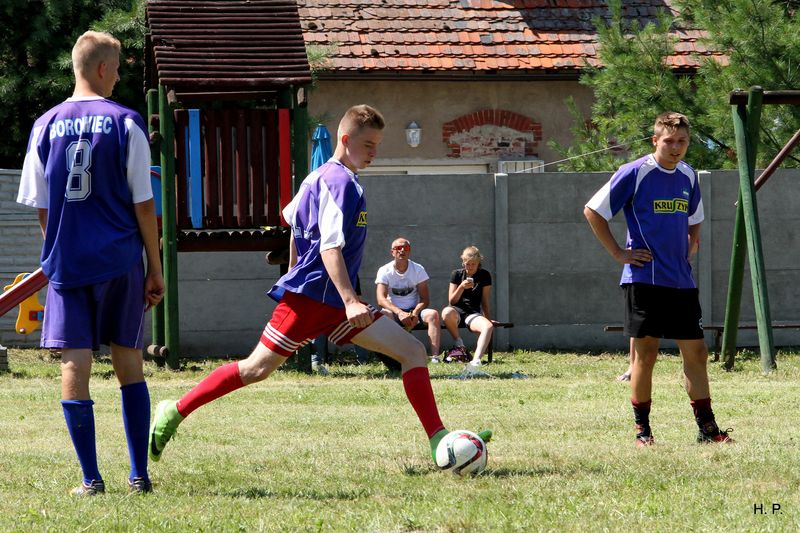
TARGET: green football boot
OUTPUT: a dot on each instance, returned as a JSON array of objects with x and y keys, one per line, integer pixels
[{"x": 165, "y": 423}]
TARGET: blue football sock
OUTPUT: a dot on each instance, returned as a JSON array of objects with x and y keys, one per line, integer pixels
[
  {"x": 136, "y": 417},
  {"x": 79, "y": 415}
]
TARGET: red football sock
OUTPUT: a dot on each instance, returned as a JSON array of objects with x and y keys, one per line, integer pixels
[
  {"x": 417, "y": 384},
  {"x": 218, "y": 383},
  {"x": 702, "y": 411}
]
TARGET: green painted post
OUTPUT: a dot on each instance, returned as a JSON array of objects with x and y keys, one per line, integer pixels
[
  {"x": 300, "y": 145},
  {"x": 155, "y": 159},
  {"x": 746, "y": 125},
  {"x": 168, "y": 231},
  {"x": 734, "y": 302},
  {"x": 300, "y": 138}
]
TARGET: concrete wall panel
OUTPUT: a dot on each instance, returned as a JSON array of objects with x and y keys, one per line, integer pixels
[{"x": 561, "y": 285}]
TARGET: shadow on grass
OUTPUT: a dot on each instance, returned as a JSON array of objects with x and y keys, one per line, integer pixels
[
  {"x": 540, "y": 471},
  {"x": 502, "y": 473},
  {"x": 499, "y": 473},
  {"x": 513, "y": 375},
  {"x": 256, "y": 493}
]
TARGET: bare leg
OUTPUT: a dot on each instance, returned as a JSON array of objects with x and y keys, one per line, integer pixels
[
  {"x": 626, "y": 376},
  {"x": 259, "y": 365},
  {"x": 76, "y": 367},
  {"x": 451, "y": 320},
  {"x": 388, "y": 337},
  {"x": 128, "y": 364},
  {"x": 434, "y": 332},
  {"x": 642, "y": 375},
  {"x": 695, "y": 368},
  {"x": 484, "y": 328}
]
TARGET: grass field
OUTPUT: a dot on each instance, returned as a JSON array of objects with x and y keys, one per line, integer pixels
[{"x": 346, "y": 452}]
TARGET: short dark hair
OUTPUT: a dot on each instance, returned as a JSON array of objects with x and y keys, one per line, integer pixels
[
  {"x": 359, "y": 117},
  {"x": 670, "y": 121}
]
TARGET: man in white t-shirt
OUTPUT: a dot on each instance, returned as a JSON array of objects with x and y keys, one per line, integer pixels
[{"x": 402, "y": 292}]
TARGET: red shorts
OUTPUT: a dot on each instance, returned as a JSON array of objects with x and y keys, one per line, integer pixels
[{"x": 299, "y": 319}]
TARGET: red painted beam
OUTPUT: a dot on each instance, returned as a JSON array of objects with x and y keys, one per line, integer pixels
[{"x": 16, "y": 294}]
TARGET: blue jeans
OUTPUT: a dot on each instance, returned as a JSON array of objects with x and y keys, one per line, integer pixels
[{"x": 320, "y": 350}]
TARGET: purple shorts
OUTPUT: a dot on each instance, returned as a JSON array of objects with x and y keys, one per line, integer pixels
[{"x": 86, "y": 317}]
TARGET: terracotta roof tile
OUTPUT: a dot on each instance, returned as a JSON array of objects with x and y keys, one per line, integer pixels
[{"x": 473, "y": 34}]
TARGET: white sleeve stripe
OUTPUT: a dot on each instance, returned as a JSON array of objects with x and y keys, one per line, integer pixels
[
  {"x": 601, "y": 202},
  {"x": 289, "y": 211},
  {"x": 330, "y": 220},
  {"x": 138, "y": 163},
  {"x": 33, "y": 190},
  {"x": 698, "y": 216}
]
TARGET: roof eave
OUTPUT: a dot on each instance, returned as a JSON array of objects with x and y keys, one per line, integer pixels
[
  {"x": 449, "y": 75},
  {"x": 466, "y": 75}
]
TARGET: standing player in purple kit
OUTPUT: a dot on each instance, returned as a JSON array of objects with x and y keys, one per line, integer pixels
[
  {"x": 660, "y": 195},
  {"x": 328, "y": 216},
  {"x": 87, "y": 170}
]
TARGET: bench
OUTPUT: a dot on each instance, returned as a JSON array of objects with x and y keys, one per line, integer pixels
[
  {"x": 392, "y": 364},
  {"x": 718, "y": 331},
  {"x": 421, "y": 326}
]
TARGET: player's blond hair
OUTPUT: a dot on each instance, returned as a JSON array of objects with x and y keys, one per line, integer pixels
[
  {"x": 359, "y": 117},
  {"x": 472, "y": 252},
  {"x": 670, "y": 122},
  {"x": 91, "y": 48}
]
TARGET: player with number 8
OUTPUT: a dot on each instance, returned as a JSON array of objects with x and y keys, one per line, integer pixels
[{"x": 87, "y": 171}]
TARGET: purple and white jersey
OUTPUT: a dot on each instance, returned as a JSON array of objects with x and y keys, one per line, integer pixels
[
  {"x": 87, "y": 163},
  {"x": 659, "y": 206},
  {"x": 328, "y": 211}
]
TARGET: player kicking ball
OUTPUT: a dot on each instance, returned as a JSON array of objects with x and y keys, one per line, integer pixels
[
  {"x": 660, "y": 196},
  {"x": 328, "y": 217}
]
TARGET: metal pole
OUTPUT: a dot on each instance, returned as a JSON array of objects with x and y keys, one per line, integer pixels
[
  {"x": 169, "y": 231},
  {"x": 762, "y": 179},
  {"x": 746, "y": 124}
]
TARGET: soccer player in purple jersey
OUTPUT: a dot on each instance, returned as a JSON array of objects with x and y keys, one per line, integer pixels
[
  {"x": 328, "y": 218},
  {"x": 87, "y": 172},
  {"x": 660, "y": 196}
]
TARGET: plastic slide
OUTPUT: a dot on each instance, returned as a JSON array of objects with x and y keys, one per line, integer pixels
[{"x": 23, "y": 292}]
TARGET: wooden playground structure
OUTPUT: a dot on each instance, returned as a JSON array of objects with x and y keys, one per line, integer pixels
[
  {"x": 226, "y": 92},
  {"x": 746, "y": 108}
]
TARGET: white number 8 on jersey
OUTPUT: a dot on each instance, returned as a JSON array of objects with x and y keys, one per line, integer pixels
[{"x": 79, "y": 181}]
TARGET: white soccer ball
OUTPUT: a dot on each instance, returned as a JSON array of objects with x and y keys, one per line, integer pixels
[{"x": 462, "y": 452}]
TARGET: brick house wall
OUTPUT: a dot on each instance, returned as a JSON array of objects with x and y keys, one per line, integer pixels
[{"x": 492, "y": 133}]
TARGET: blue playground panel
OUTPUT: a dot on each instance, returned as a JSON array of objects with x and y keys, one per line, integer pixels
[{"x": 194, "y": 176}]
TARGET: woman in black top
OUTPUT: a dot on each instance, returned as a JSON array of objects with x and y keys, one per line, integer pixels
[{"x": 468, "y": 296}]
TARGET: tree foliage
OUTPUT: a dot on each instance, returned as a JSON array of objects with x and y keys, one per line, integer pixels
[
  {"x": 762, "y": 41},
  {"x": 35, "y": 64}
]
